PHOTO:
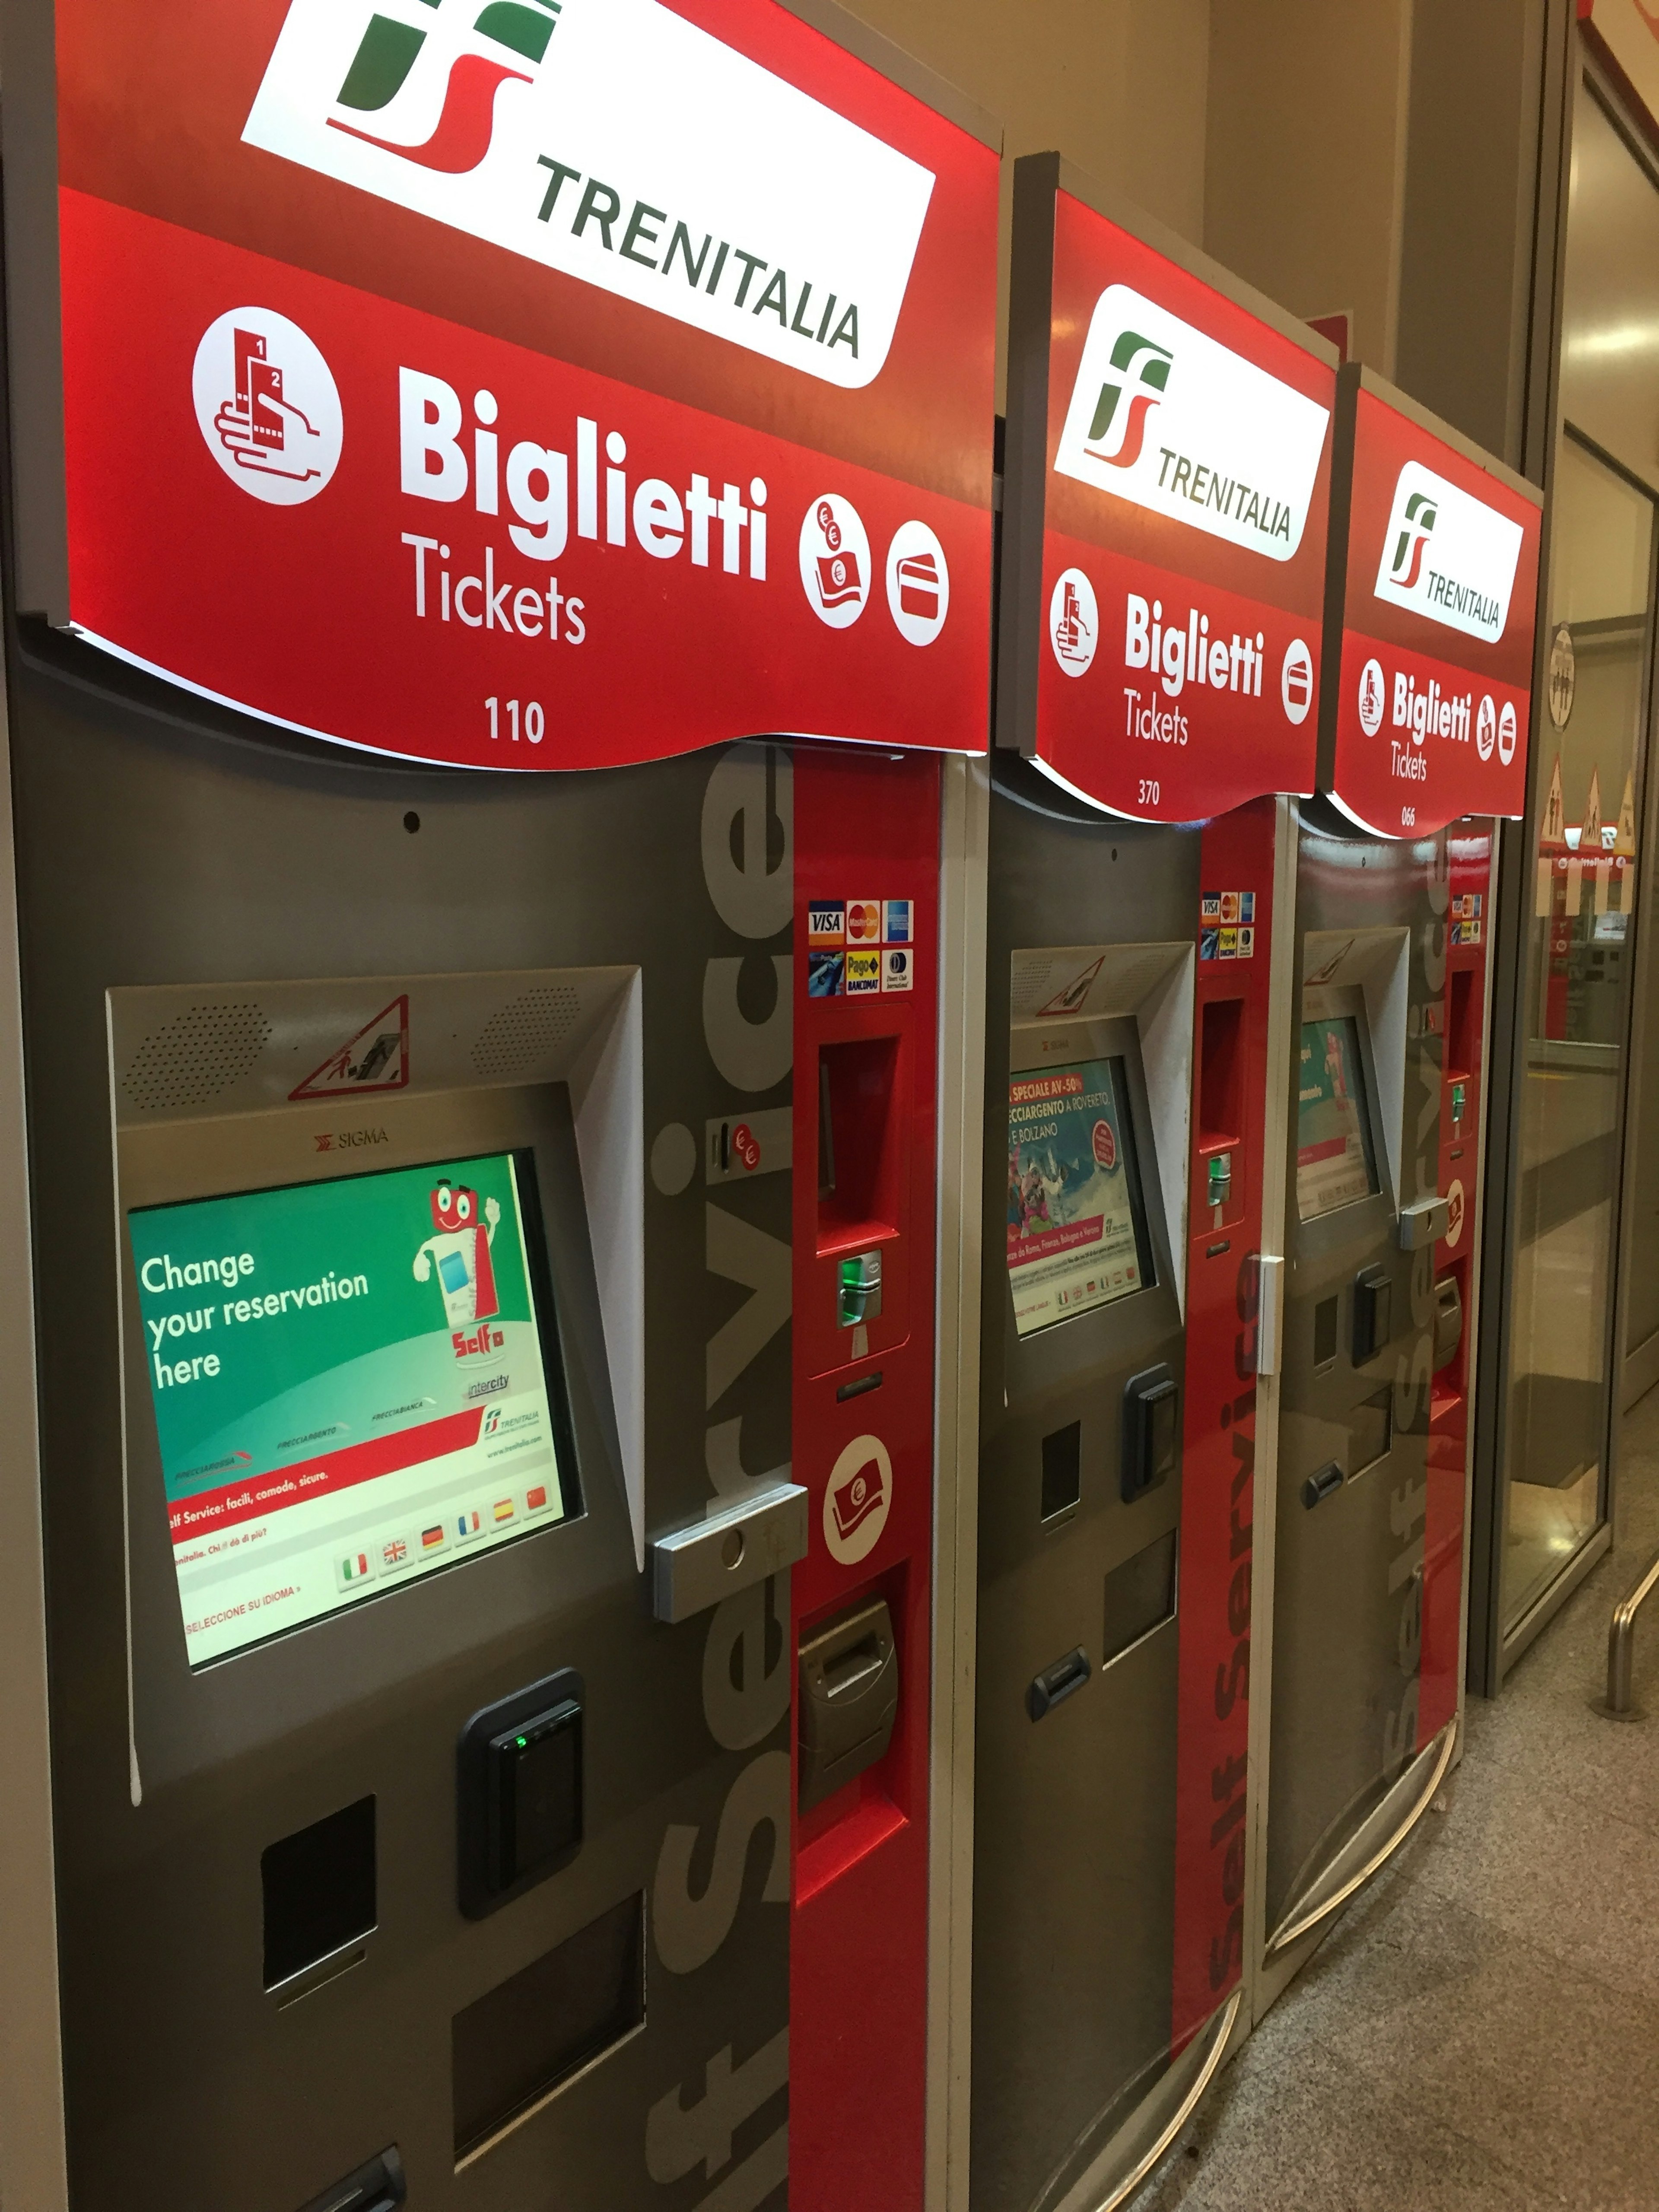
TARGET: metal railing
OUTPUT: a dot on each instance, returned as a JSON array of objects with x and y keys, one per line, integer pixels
[{"x": 1621, "y": 1649}]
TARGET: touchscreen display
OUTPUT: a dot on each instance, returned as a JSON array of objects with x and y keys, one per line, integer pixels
[
  {"x": 1077, "y": 1230},
  {"x": 1335, "y": 1163},
  {"x": 350, "y": 1387}
]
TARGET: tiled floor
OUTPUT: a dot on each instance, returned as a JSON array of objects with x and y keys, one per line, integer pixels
[{"x": 1482, "y": 2028}]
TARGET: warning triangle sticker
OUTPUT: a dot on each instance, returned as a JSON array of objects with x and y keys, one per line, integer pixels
[
  {"x": 1624, "y": 841},
  {"x": 1589, "y": 837},
  {"x": 1068, "y": 1001},
  {"x": 376, "y": 1058},
  {"x": 1553, "y": 830}
]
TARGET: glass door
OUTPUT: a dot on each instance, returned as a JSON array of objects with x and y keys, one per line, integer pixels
[{"x": 1589, "y": 760}]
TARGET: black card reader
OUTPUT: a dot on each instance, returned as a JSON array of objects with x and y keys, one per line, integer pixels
[
  {"x": 1151, "y": 1429},
  {"x": 519, "y": 1783}
]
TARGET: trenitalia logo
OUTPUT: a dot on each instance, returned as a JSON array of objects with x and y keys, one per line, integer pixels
[
  {"x": 615, "y": 142},
  {"x": 1408, "y": 563},
  {"x": 1167, "y": 418},
  {"x": 1140, "y": 374},
  {"x": 1448, "y": 556}
]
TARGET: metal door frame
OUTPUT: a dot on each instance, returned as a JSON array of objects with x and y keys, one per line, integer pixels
[{"x": 1571, "y": 75}]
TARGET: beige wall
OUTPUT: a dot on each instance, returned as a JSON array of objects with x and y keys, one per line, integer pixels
[
  {"x": 1117, "y": 86},
  {"x": 1305, "y": 170}
]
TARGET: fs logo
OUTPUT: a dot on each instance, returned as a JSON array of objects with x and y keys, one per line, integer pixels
[
  {"x": 389, "y": 49},
  {"x": 1417, "y": 529},
  {"x": 1142, "y": 376}
]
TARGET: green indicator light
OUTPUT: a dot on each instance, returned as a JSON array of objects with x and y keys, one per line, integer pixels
[{"x": 524, "y": 1742}]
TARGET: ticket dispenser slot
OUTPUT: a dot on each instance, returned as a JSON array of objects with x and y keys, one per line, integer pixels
[
  {"x": 379, "y": 2186},
  {"x": 318, "y": 1888},
  {"x": 849, "y": 1688}
]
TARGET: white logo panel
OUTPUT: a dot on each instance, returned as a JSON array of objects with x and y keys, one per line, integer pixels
[
  {"x": 616, "y": 141},
  {"x": 1165, "y": 417},
  {"x": 1449, "y": 556}
]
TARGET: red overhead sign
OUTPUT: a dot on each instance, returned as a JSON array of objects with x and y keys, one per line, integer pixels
[
  {"x": 536, "y": 384},
  {"x": 1434, "y": 567},
  {"x": 1164, "y": 517}
]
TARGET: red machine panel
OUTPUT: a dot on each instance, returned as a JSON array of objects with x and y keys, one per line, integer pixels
[
  {"x": 1223, "y": 1245},
  {"x": 1462, "y": 1107},
  {"x": 866, "y": 1000}
]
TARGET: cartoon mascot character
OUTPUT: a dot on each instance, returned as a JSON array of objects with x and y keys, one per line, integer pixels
[{"x": 461, "y": 1249}]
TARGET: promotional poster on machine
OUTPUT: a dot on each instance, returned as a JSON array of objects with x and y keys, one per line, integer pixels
[{"x": 1074, "y": 1241}]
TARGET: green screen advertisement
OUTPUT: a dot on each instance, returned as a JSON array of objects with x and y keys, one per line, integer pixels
[{"x": 348, "y": 1388}]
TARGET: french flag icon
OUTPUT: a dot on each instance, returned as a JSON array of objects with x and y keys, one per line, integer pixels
[{"x": 467, "y": 1524}]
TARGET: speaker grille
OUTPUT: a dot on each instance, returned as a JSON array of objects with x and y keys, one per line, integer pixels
[
  {"x": 195, "y": 1056},
  {"x": 523, "y": 1031}
]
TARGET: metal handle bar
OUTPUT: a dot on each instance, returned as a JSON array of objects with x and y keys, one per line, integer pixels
[{"x": 1621, "y": 1649}]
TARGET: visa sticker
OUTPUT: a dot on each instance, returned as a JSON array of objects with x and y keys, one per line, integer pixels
[{"x": 826, "y": 921}]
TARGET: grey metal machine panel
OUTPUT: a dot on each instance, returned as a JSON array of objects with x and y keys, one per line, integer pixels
[
  {"x": 1074, "y": 1815},
  {"x": 153, "y": 853},
  {"x": 1347, "y": 1598}
]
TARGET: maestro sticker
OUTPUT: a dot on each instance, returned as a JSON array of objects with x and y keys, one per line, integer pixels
[
  {"x": 267, "y": 405},
  {"x": 856, "y": 1500}
]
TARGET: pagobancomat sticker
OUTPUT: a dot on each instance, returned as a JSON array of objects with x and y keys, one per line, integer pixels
[
  {"x": 1427, "y": 702},
  {"x": 1168, "y": 459},
  {"x": 522, "y": 386}
]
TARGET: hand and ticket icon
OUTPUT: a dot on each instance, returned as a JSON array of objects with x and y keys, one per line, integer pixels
[{"x": 258, "y": 427}]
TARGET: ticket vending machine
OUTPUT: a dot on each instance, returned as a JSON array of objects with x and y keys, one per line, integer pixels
[
  {"x": 1129, "y": 1032},
  {"x": 413, "y": 1147},
  {"x": 1424, "y": 715}
]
